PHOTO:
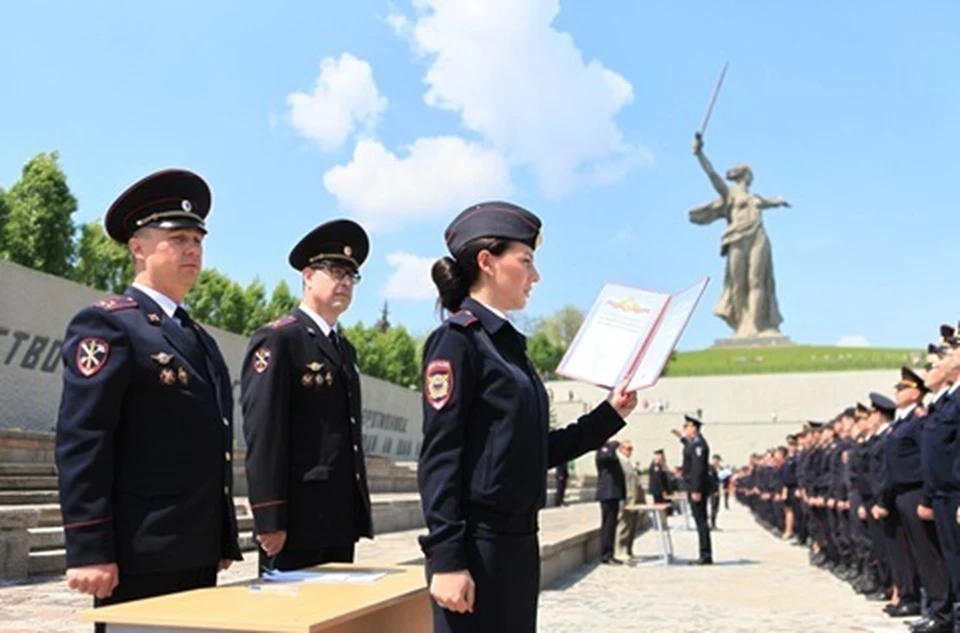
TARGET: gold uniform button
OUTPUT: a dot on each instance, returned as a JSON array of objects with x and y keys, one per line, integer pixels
[
  {"x": 356, "y": 448},
  {"x": 227, "y": 457},
  {"x": 353, "y": 420},
  {"x": 226, "y": 490},
  {"x": 226, "y": 422},
  {"x": 358, "y": 476}
]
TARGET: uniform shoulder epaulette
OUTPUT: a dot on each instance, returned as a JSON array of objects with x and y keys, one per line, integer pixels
[
  {"x": 119, "y": 302},
  {"x": 463, "y": 318},
  {"x": 283, "y": 321}
]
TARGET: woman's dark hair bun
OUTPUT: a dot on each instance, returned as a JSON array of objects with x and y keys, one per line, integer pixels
[{"x": 450, "y": 283}]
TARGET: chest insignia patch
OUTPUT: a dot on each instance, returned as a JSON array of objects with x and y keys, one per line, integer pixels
[
  {"x": 438, "y": 383},
  {"x": 162, "y": 358}
]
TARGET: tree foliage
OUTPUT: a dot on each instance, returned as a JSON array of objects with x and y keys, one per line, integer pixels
[
  {"x": 38, "y": 230},
  {"x": 544, "y": 354},
  {"x": 562, "y": 326},
  {"x": 390, "y": 355},
  {"x": 4, "y": 212},
  {"x": 101, "y": 262}
]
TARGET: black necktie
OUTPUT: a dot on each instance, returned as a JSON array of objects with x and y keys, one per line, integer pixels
[
  {"x": 190, "y": 331},
  {"x": 336, "y": 342}
]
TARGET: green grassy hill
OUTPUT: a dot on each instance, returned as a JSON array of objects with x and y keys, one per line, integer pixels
[{"x": 786, "y": 359}]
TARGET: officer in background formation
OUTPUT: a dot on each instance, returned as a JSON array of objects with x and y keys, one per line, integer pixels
[
  {"x": 144, "y": 435},
  {"x": 713, "y": 472},
  {"x": 561, "y": 475},
  {"x": 887, "y": 520},
  {"x": 697, "y": 482},
  {"x": 611, "y": 490},
  {"x": 660, "y": 481},
  {"x": 300, "y": 392}
]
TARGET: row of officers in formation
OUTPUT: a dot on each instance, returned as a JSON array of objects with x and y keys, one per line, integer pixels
[
  {"x": 875, "y": 492},
  {"x": 145, "y": 431}
]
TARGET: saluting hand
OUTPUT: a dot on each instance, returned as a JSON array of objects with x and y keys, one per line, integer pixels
[
  {"x": 454, "y": 591},
  {"x": 96, "y": 580},
  {"x": 272, "y": 542},
  {"x": 925, "y": 513}
]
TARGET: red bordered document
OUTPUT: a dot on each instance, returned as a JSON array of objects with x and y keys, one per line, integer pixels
[{"x": 628, "y": 335}]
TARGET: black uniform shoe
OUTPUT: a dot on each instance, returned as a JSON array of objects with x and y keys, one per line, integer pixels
[
  {"x": 905, "y": 610},
  {"x": 928, "y": 625}
]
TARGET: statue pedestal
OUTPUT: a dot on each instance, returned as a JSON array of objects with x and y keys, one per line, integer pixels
[{"x": 753, "y": 341}]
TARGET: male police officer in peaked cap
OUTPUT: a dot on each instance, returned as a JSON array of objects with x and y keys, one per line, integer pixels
[
  {"x": 145, "y": 432},
  {"x": 302, "y": 413},
  {"x": 696, "y": 477}
]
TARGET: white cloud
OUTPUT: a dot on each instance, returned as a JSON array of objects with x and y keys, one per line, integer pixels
[
  {"x": 344, "y": 98},
  {"x": 853, "y": 340},
  {"x": 436, "y": 176},
  {"x": 525, "y": 87},
  {"x": 410, "y": 278}
]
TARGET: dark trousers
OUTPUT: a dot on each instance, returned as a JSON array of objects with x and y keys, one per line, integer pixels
[
  {"x": 506, "y": 570},
  {"x": 841, "y": 535},
  {"x": 903, "y": 569},
  {"x": 609, "y": 511},
  {"x": 945, "y": 518},
  {"x": 820, "y": 533},
  {"x": 726, "y": 499},
  {"x": 290, "y": 560},
  {"x": 699, "y": 511},
  {"x": 860, "y": 539},
  {"x": 139, "y": 586},
  {"x": 799, "y": 519},
  {"x": 561, "y": 490},
  {"x": 925, "y": 547},
  {"x": 714, "y": 509},
  {"x": 881, "y": 559}
]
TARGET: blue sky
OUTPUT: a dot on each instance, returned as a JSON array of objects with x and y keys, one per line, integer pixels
[{"x": 585, "y": 115}]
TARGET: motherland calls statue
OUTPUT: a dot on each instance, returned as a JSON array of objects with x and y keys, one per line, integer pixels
[{"x": 748, "y": 303}]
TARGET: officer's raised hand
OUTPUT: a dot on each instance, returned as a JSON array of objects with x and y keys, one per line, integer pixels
[
  {"x": 95, "y": 580},
  {"x": 623, "y": 401},
  {"x": 454, "y": 590}
]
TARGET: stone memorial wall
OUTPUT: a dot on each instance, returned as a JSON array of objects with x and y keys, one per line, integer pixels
[{"x": 34, "y": 311}]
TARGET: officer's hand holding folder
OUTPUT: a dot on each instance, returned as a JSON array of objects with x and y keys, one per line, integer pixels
[{"x": 628, "y": 336}]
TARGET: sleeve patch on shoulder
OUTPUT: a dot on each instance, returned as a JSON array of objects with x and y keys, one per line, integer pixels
[
  {"x": 438, "y": 383},
  {"x": 261, "y": 360},
  {"x": 92, "y": 355},
  {"x": 282, "y": 322},
  {"x": 120, "y": 302}
]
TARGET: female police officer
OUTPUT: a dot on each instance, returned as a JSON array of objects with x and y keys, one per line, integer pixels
[{"x": 486, "y": 439}]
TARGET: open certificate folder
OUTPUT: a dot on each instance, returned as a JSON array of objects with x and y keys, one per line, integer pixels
[{"x": 628, "y": 335}]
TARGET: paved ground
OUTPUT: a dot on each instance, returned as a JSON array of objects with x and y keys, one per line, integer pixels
[{"x": 758, "y": 584}]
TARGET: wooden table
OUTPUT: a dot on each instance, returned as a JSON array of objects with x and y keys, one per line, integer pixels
[{"x": 398, "y": 602}]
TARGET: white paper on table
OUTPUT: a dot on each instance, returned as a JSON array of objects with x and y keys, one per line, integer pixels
[
  {"x": 672, "y": 323},
  {"x": 612, "y": 334},
  {"x": 348, "y": 577}
]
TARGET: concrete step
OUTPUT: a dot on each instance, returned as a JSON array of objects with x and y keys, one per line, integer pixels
[
  {"x": 28, "y": 497},
  {"x": 24, "y": 469},
  {"x": 52, "y": 561},
  {"x": 28, "y": 482},
  {"x": 51, "y": 537}
]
